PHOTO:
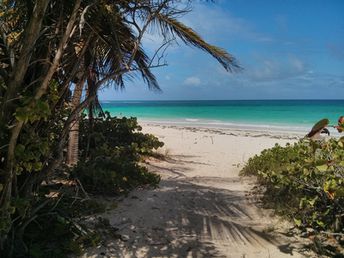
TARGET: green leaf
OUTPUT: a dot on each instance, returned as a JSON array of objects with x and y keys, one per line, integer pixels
[
  {"x": 320, "y": 223},
  {"x": 305, "y": 171},
  {"x": 308, "y": 160},
  {"x": 22, "y": 114},
  {"x": 322, "y": 168},
  {"x": 339, "y": 192},
  {"x": 1, "y": 187},
  {"x": 20, "y": 150},
  {"x": 302, "y": 201},
  {"x": 11, "y": 209},
  {"x": 18, "y": 170},
  {"x": 297, "y": 222},
  {"x": 311, "y": 202},
  {"x": 44, "y": 147},
  {"x": 28, "y": 166},
  {"x": 43, "y": 107},
  {"x": 37, "y": 166}
]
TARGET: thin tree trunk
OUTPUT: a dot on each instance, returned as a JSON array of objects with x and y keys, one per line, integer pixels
[
  {"x": 8, "y": 178},
  {"x": 7, "y": 192},
  {"x": 18, "y": 77},
  {"x": 90, "y": 126},
  {"x": 31, "y": 35},
  {"x": 73, "y": 141}
]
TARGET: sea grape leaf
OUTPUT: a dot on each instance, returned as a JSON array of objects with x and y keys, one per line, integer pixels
[{"x": 322, "y": 168}]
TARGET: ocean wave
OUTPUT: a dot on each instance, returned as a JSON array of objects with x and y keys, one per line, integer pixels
[
  {"x": 131, "y": 102},
  {"x": 192, "y": 119},
  {"x": 120, "y": 102}
]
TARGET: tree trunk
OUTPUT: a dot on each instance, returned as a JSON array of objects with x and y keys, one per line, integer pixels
[
  {"x": 73, "y": 140},
  {"x": 7, "y": 177},
  {"x": 31, "y": 34}
]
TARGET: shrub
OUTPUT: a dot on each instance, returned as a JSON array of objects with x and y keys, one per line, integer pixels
[
  {"x": 304, "y": 181},
  {"x": 110, "y": 153},
  {"x": 113, "y": 175}
]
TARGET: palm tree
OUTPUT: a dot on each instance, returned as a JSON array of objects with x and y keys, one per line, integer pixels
[
  {"x": 48, "y": 48},
  {"x": 116, "y": 48}
]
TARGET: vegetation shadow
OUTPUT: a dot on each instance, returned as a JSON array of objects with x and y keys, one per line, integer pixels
[{"x": 183, "y": 219}]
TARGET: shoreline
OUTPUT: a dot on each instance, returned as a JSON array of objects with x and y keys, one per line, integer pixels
[
  {"x": 223, "y": 124},
  {"x": 277, "y": 132},
  {"x": 233, "y": 130}
]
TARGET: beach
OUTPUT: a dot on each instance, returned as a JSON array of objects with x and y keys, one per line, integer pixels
[
  {"x": 202, "y": 207},
  {"x": 167, "y": 128}
]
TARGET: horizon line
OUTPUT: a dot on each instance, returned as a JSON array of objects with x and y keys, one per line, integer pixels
[{"x": 213, "y": 99}]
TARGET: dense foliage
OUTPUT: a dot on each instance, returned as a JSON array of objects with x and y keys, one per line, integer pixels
[
  {"x": 114, "y": 146},
  {"x": 305, "y": 181},
  {"x": 54, "y": 58},
  {"x": 58, "y": 229}
]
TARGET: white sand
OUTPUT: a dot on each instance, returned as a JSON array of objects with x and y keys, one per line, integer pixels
[{"x": 202, "y": 207}]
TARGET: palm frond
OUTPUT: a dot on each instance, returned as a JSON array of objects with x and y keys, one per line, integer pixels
[
  {"x": 143, "y": 62},
  {"x": 171, "y": 26},
  {"x": 115, "y": 46}
]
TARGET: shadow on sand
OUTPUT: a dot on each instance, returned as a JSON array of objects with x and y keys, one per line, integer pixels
[{"x": 182, "y": 218}]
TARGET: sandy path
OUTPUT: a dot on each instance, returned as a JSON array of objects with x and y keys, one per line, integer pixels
[{"x": 202, "y": 207}]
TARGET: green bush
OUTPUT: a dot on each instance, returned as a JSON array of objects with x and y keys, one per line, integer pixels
[
  {"x": 304, "y": 181},
  {"x": 109, "y": 133},
  {"x": 111, "y": 149},
  {"x": 64, "y": 238},
  {"x": 113, "y": 175},
  {"x": 56, "y": 229}
]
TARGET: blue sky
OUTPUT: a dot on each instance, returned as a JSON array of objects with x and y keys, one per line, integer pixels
[{"x": 289, "y": 50}]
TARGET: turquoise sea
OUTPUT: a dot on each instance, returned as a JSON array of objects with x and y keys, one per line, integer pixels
[{"x": 289, "y": 114}]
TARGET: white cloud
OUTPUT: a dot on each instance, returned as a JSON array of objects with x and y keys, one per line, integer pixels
[
  {"x": 275, "y": 69},
  {"x": 297, "y": 64},
  {"x": 192, "y": 81}
]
